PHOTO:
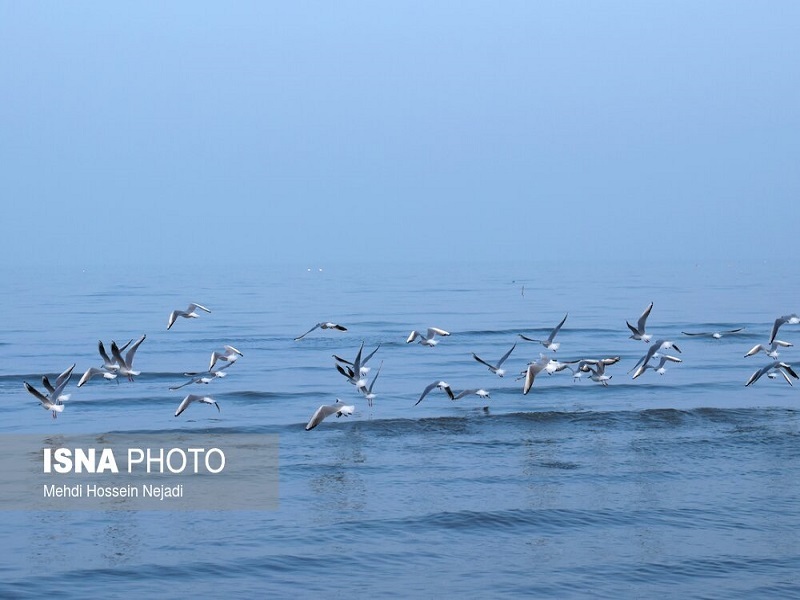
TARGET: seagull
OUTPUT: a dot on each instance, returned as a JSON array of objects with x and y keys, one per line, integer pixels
[
  {"x": 189, "y": 313},
  {"x": 657, "y": 347},
  {"x": 339, "y": 409},
  {"x": 354, "y": 372},
  {"x": 770, "y": 350},
  {"x": 659, "y": 368},
  {"x": 495, "y": 368},
  {"x": 481, "y": 393},
  {"x": 60, "y": 383},
  {"x": 93, "y": 372},
  {"x": 367, "y": 391},
  {"x": 230, "y": 355},
  {"x": 637, "y": 333},
  {"x": 110, "y": 364},
  {"x": 195, "y": 398},
  {"x": 549, "y": 343},
  {"x": 442, "y": 385},
  {"x": 126, "y": 364},
  {"x": 713, "y": 334},
  {"x": 771, "y": 370},
  {"x": 52, "y": 401},
  {"x": 532, "y": 371},
  {"x": 598, "y": 372},
  {"x": 792, "y": 319},
  {"x": 362, "y": 368},
  {"x": 323, "y": 325},
  {"x": 206, "y": 377},
  {"x": 428, "y": 338}
]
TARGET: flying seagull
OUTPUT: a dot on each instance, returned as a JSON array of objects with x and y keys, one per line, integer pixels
[
  {"x": 442, "y": 385},
  {"x": 326, "y": 410},
  {"x": 549, "y": 343},
  {"x": 657, "y": 346},
  {"x": 659, "y": 368},
  {"x": 189, "y": 313},
  {"x": 495, "y": 368},
  {"x": 195, "y": 398},
  {"x": 94, "y": 372},
  {"x": 429, "y": 338},
  {"x": 481, "y": 393},
  {"x": 532, "y": 371},
  {"x": 230, "y": 356},
  {"x": 792, "y": 319},
  {"x": 770, "y": 350},
  {"x": 771, "y": 370},
  {"x": 52, "y": 401},
  {"x": 323, "y": 325},
  {"x": 713, "y": 334},
  {"x": 637, "y": 333},
  {"x": 126, "y": 364},
  {"x": 367, "y": 391}
]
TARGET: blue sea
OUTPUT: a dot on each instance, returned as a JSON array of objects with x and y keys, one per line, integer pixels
[{"x": 681, "y": 485}]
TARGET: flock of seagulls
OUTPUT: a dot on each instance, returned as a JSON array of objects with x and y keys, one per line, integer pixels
[
  {"x": 115, "y": 365},
  {"x": 656, "y": 358}
]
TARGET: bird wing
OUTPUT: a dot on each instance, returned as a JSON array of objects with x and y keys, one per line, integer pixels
[
  {"x": 194, "y": 305},
  {"x": 130, "y": 354},
  {"x": 299, "y": 337},
  {"x": 555, "y": 331},
  {"x": 437, "y": 331},
  {"x": 483, "y": 362},
  {"x": 41, "y": 397},
  {"x": 506, "y": 355},
  {"x": 643, "y": 319},
  {"x": 320, "y": 414}
]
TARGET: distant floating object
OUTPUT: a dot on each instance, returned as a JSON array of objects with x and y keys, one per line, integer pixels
[{"x": 189, "y": 313}]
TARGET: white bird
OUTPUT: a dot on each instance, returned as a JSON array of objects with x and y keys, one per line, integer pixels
[
  {"x": 110, "y": 364},
  {"x": 792, "y": 319},
  {"x": 230, "y": 356},
  {"x": 326, "y": 410},
  {"x": 713, "y": 334},
  {"x": 52, "y": 401},
  {"x": 495, "y": 368},
  {"x": 442, "y": 385},
  {"x": 771, "y": 370},
  {"x": 532, "y": 371},
  {"x": 367, "y": 391},
  {"x": 322, "y": 325},
  {"x": 598, "y": 373},
  {"x": 195, "y": 398},
  {"x": 204, "y": 378},
  {"x": 657, "y": 346},
  {"x": 94, "y": 372},
  {"x": 659, "y": 368},
  {"x": 189, "y": 313},
  {"x": 126, "y": 364},
  {"x": 481, "y": 393},
  {"x": 429, "y": 338},
  {"x": 60, "y": 383},
  {"x": 350, "y": 369},
  {"x": 638, "y": 333},
  {"x": 549, "y": 343},
  {"x": 770, "y": 350}
]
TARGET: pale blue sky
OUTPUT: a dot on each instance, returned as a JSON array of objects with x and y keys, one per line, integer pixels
[{"x": 345, "y": 131}]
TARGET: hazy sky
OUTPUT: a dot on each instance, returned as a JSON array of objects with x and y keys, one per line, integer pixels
[{"x": 324, "y": 131}]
